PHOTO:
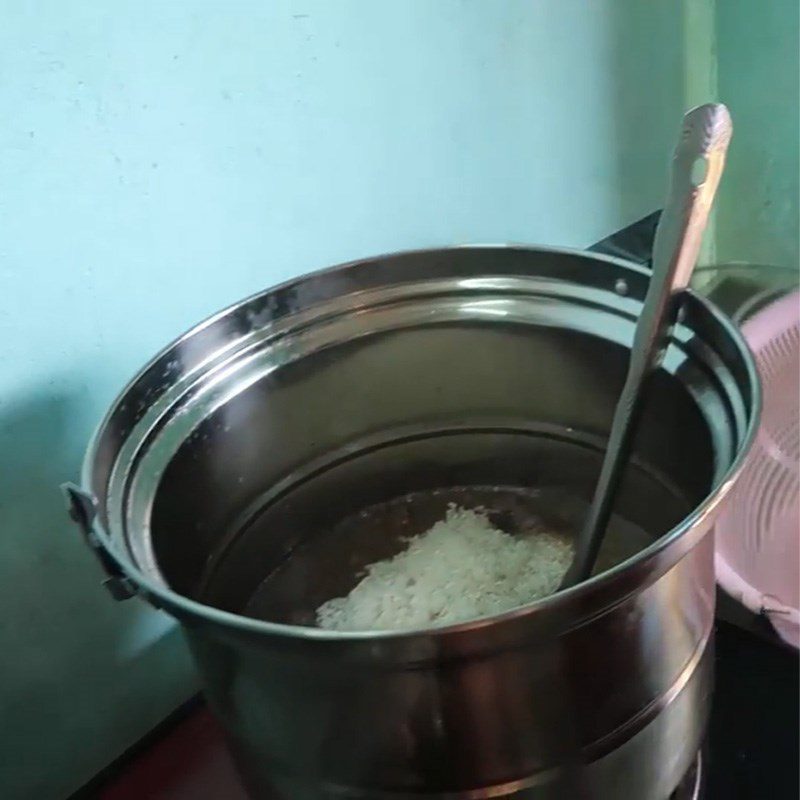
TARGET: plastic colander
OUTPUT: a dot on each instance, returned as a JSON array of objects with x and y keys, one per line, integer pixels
[{"x": 758, "y": 533}]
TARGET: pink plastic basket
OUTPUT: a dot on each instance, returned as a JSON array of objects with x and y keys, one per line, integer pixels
[{"x": 758, "y": 533}]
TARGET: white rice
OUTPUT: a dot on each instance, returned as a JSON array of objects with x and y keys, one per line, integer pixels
[{"x": 460, "y": 569}]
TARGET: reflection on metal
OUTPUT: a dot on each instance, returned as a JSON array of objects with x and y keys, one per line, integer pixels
[{"x": 691, "y": 787}]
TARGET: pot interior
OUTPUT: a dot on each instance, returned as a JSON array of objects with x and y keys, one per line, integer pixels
[{"x": 283, "y": 493}]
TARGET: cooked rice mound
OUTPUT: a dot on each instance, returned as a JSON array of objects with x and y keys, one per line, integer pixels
[{"x": 460, "y": 569}]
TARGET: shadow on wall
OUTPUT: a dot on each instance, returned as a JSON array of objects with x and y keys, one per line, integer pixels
[
  {"x": 758, "y": 217},
  {"x": 70, "y": 665},
  {"x": 648, "y": 101}
]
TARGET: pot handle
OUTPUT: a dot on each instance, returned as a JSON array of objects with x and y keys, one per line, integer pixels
[
  {"x": 82, "y": 509},
  {"x": 633, "y": 243}
]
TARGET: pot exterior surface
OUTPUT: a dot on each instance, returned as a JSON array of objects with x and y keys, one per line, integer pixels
[{"x": 615, "y": 708}]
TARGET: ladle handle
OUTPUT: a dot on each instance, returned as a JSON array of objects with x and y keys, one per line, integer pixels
[
  {"x": 696, "y": 170},
  {"x": 697, "y": 166}
]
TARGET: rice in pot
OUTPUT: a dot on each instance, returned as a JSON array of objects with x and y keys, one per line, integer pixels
[{"x": 462, "y": 568}]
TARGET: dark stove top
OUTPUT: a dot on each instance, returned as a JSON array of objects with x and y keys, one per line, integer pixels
[{"x": 753, "y": 738}]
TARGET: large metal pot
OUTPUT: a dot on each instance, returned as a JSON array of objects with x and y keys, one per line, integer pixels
[{"x": 468, "y": 366}]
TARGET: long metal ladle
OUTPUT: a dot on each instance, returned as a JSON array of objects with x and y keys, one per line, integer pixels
[{"x": 696, "y": 170}]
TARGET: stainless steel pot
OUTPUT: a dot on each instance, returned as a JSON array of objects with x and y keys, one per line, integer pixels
[{"x": 467, "y": 367}]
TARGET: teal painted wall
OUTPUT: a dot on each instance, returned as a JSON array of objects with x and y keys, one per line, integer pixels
[
  {"x": 758, "y": 76},
  {"x": 160, "y": 160}
]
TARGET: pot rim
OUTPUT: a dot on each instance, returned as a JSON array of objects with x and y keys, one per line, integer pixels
[{"x": 162, "y": 596}]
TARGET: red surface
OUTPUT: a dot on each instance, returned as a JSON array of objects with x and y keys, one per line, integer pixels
[{"x": 191, "y": 762}]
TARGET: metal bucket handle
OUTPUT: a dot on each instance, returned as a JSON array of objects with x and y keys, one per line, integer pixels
[{"x": 82, "y": 509}]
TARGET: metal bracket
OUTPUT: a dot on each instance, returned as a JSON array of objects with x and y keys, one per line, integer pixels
[
  {"x": 82, "y": 509},
  {"x": 634, "y": 243}
]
